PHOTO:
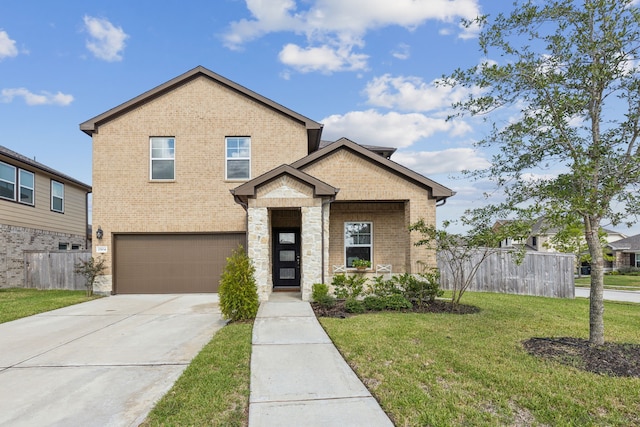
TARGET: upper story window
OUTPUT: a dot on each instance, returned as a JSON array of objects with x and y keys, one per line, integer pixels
[
  {"x": 57, "y": 196},
  {"x": 26, "y": 181},
  {"x": 163, "y": 164},
  {"x": 358, "y": 242},
  {"x": 238, "y": 158},
  {"x": 7, "y": 181}
]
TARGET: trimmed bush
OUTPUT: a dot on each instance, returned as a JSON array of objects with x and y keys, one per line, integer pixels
[
  {"x": 319, "y": 290},
  {"x": 346, "y": 287},
  {"x": 352, "y": 305},
  {"x": 397, "y": 302},
  {"x": 374, "y": 303},
  {"x": 238, "y": 293}
]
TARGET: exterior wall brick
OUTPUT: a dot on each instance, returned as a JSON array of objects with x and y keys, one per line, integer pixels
[
  {"x": 199, "y": 114},
  {"x": 14, "y": 241}
]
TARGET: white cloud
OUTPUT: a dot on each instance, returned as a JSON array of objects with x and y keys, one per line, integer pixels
[
  {"x": 44, "y": 98},
  {"x": 7, "y": 46},
  {"x": 342, "y": 24},
  {"x": 390, "y": 129},
  {"x": 412, "y": 94},
  {"x": 107, "y": 41},
  {"x": 324, "y": 59},
  {"x": 446, "y": 161},
  {"x": 402, "y": 51}
]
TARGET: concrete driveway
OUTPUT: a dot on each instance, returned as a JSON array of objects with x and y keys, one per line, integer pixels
[{"x": 101, "y": 363}]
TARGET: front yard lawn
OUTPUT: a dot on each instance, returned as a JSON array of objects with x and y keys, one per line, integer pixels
[
  {"x": 472, "y": 369},
  {"x": 21, "y": 302},
  {"x": 613, "y": 282}
]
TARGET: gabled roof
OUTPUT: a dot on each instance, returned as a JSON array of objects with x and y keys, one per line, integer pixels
[
  {"x": 385, "y": 152},
  {"x": 314, "y": 129},
  {"x": 320, "y": 188},
  {"x": 439, "y": 192},
  {"x": 4, "y": 151},
  {"x": 629, "y": 244}
]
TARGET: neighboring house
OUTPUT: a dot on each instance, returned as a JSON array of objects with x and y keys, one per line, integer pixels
[
  {"x": 40, "y": 209},
  {"x": 542, "y": 234},
  {"x": 626, "y": 252},
  {"x": 187, "y": 171}
]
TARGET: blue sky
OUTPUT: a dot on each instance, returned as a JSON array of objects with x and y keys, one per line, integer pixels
[{"x": 363, "y": 68}]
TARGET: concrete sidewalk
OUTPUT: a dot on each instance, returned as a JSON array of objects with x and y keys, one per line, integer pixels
[
  {"x": 623, "y": 296},
  {"x": 101, "y": 363},
  {"x": 298, "y": 377}
]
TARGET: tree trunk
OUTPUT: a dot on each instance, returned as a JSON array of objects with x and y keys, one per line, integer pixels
[{"x": 596, "y": 303}]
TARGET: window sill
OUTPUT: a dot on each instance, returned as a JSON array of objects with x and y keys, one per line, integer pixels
[{"x": 161, "y": 181}]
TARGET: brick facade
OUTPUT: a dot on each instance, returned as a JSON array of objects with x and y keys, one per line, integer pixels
[{"x": 14, "y": 241}]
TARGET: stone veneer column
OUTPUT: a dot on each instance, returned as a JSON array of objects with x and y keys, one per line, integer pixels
[
  {"x": 311, "y": 250},
  {"x": 258, "y": 249}
]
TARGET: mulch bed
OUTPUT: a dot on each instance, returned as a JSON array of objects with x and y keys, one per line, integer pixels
[
  {"x": 438, "y": 306},
  {"x": 613, "y": 359}
]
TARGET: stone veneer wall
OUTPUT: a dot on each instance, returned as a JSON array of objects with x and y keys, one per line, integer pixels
[
  {"x": 15, "y": 240},
  {"x": 258, "y": 249},
  {"x": 311, "y": 251}
]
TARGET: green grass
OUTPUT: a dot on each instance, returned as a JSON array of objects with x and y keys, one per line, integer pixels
[
  {"x": 19, "y": 302},
  {"x": 214, "y": 389},
  {"x": 446, "y": 369},
  {"x": 613, "y": 282}
]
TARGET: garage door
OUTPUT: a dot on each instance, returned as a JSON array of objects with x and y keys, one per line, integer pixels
[{"x": 171, "y": 263}]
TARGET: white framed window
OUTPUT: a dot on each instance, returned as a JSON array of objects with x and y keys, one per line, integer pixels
[
  {"x": 7, "y": 181},
  {"x": 637, "y": 260},
  {"x": 57, "y": 196},
  {"x": 26, "y": 183},
  {"x": 238, "y": 158},
  {"x": 358, "y": 242},
  {"x": 163, "y": 163}
]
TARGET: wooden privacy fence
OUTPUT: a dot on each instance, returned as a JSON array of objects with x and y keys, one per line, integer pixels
[
  {"x": 54, "y": 269},
  {"x": 539, "y": 274}
]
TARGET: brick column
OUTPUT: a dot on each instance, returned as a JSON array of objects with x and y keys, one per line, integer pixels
[{"x": 258, "y": 242}]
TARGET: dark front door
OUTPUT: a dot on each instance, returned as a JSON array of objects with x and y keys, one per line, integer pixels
[{"x": 286, "y": 257}]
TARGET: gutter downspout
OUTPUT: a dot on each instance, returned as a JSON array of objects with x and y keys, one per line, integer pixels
[{"x": 325, "y": 203}]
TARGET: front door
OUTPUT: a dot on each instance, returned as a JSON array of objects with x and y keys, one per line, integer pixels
[{"x": 286, "y": 257}]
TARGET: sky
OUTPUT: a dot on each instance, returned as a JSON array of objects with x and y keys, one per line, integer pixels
[{"x": 366, "y": 69}]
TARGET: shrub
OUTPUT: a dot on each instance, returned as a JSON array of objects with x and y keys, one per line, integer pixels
[
  {"x": 397, "y": 302},
  {"x": 382, "y": 288},
  {"x": 90, "y": 269},
  {"x": 630, "y": 271},
  {"x": 375, "y": 303},
  {"x": 238, "y": 293},
  {"x": 421, "y": 291},
  {"x": 326, "y": 301},
  {"x": 319, "y": 290},
  {"x": 352, "y": 305},
  {"x": 348, "y": 286}
]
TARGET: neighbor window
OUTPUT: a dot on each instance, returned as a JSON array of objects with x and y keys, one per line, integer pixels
[
  {"x": 57, "y": 196},
  {"x": 358, "y": 241},
  {"x": 163, "y": 158},
  {"x": 63, "y": 246},
  {"x": 637, "y": 260},
  {"x": 238, "y": 157},
  {"x": 7, "y": 181},
  {"x": 27, "y": 184}
]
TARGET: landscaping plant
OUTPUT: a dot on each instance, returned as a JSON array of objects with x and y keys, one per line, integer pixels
[
  {"x": 238, "y": 293},
  {"x": 90, "y": 269}
]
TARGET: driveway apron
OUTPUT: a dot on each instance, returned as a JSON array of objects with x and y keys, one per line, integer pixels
[{"x": 101, "y": 363}]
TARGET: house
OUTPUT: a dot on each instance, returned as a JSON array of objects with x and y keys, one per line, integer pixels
[
  {"x": 184, "y": 173},
  {"x": 41, "y": 209},
  {"x": 542, "y": 234},
  {"x": 626, "y": 252}
]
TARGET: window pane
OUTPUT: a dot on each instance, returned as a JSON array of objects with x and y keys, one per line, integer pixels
[
  {"x": 7, "y": 190},
  {"x": 7, "y": 173},
  {"x": 26, "y": 195},
  {"x": 57, "y": 189},
  {"x": 287, "y": 256},
  {"x": 238, "y": 169},
  {"x": 166, "y": 144},
  {"x": 287, "y": 273},
  {"x": 162, "y": 169},
  {"x": 358, "y": 252},
  {"x": 286, "y": 238},
  {"x": 57, "y": 204}
]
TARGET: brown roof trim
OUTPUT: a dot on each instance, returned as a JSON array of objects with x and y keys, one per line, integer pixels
[
  {"x": 4, "y": 151},
  {"x": 314, "y": 129},
  {"x": 438, "y": 191},
  {"x": 383, "y": 151},
  {"x": 320, "y": 188}
]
